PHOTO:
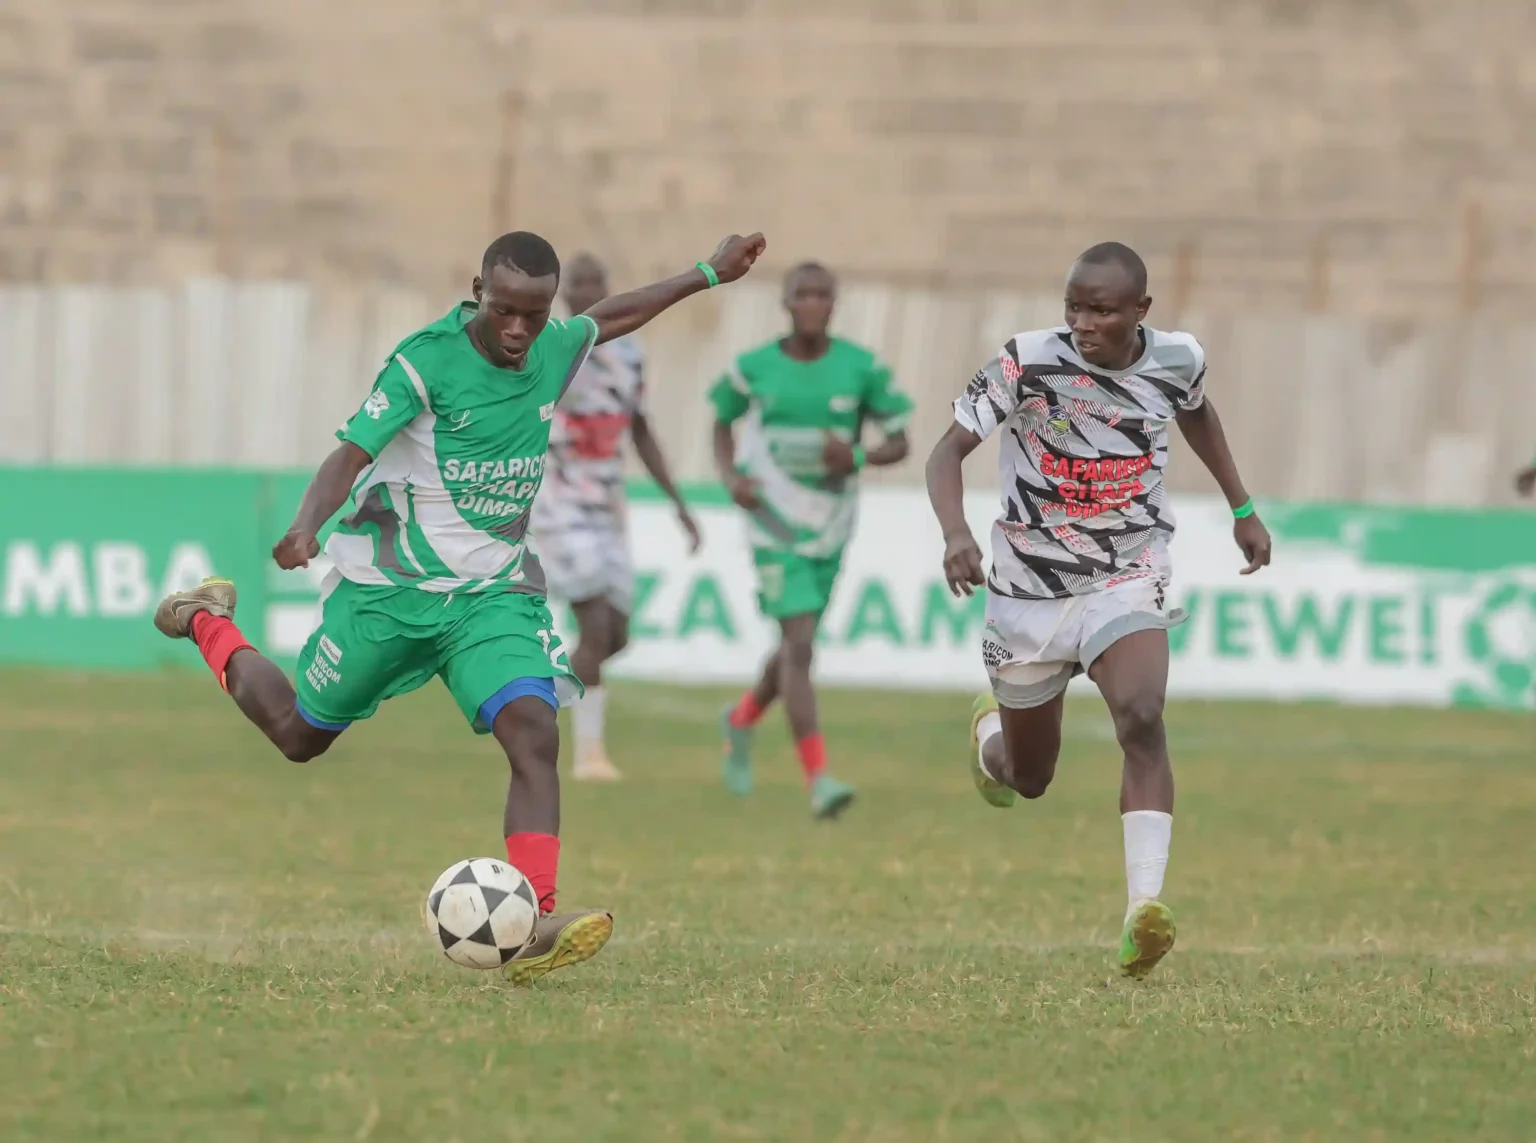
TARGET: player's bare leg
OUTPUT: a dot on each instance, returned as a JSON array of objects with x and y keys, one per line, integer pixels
[
  {"x": 1014, "y": 751},
  {"x": 1132, "y": 674},
  {"x": 528, "y": 731},
  {"x": 602, "y": 632},
  {"x": 738, "y": 720},
  {"x": 259, "y": 686},
  {"x": 797, "y": 651}
]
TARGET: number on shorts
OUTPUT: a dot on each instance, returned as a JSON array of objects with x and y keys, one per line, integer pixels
[{"x": 555, "y": 650}]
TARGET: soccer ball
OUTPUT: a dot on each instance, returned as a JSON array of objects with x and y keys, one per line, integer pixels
[{"x": 483, "y": 911}]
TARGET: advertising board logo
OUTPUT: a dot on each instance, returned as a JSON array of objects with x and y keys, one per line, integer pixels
[{"x": 1500, "y": 637}]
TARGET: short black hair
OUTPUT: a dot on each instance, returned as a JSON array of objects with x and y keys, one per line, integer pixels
[
  {"x": 1118, "y": 254},
  {"x": 589, "y": 260},
  {"x": 803, "y": 267},
  {"x": 521, "y": 250}
]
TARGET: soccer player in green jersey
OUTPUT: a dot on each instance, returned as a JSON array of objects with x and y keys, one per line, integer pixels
[
  {"x": 432, "y": 575},
  {"x": 804, "y": 399}
]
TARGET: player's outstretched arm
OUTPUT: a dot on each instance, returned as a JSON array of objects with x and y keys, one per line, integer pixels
[
  {"x": 648, "y": 449},
  {"x": 963, "y": 565},
  {"x": 326, "y": 493},
  {"x": 624, "y": 313},
  {"x": 1202, "y": 429}
]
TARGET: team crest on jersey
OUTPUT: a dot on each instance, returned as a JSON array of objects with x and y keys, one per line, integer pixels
[
  {"x": 841, "y": 404},
  {"x": 1059, "y": 421},
  {"x": 376, "y": 403},
  {"x": 547, "y": 412}
]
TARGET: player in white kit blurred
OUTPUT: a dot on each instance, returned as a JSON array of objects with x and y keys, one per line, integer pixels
[{"x": 579, "y": 518}]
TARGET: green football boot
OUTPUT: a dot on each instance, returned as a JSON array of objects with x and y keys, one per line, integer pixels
[
  {"x": 995, "y": 793},
  {"x": 1148, "y": 936}
]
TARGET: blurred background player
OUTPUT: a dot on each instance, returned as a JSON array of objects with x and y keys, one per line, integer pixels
[
  {"x": 579, "y": 526},
  {"x": 1080, "y": 565},
  {"x": 805, "y": 398},
  {"x": 432, "y": 575},
  {"x": 1525, "y": 480}
]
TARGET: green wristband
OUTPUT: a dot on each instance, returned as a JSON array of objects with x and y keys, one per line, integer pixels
[
  {"x": 709, "y": 274},
  {"x": 1244, "y": 510},
  {"x": 858, "y": 457}
]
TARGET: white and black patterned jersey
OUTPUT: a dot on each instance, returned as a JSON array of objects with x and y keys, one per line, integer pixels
[
  {"x": 1084, "y": 506},
  {"x": 584, "y": 474}
]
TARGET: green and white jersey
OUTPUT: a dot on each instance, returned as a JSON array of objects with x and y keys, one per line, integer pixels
[
  {"x": 789, "y": 408},
  {"x": 458, "y": 448}
]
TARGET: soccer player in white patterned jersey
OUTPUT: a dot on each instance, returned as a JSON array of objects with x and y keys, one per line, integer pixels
[
  {"x": 1080, "y": 555},
  {"x": 579, "y": 517}
]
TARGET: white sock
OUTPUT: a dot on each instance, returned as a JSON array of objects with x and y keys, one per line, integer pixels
[
  {"x": 1147, "y": 836},
  {"x": 990, "y": 726},
  {"x": 587, "y": 721}
]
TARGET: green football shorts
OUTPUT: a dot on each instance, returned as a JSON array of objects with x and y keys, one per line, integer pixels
[
  {"x": 790, "y": 584},
  {"x": 375, "y": 642}
]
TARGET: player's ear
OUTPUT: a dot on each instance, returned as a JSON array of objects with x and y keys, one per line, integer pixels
[
  {"x": 477, "y": 288},
  {"x": 1142, "y": 307}
]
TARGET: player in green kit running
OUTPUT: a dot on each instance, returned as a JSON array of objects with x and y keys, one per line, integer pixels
[
  {"x": 432, "y": 575},
  {"x": 804, "y": 399}
]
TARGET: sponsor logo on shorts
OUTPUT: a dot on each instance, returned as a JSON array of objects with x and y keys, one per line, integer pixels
[
  {"x": 332, "y": 652},
  {"x": 993, "y": 653},
  {"x": 321, "y": 674}
]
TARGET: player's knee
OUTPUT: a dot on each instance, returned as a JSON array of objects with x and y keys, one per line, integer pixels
[
  {"x": 301, "y": 741},
  {"x": 797, "y": 654},
  {"x": 1033, "y": 786},
  {"x": 304, "y": 749},
  {"x": 1139, "y": 720},
  {"x": 1033, "y": 776},
  {"x": 529, "y": 734}
]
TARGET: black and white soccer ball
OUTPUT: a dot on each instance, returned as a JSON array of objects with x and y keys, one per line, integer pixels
[{"x": 483, "y": 911}]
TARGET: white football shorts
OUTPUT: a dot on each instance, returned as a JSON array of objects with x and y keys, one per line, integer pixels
[
  {"x": 588, "y": 563},
  {"x": 1033, "y": 647}
]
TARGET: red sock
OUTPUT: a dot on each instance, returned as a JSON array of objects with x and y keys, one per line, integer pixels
[
  {"x": 537, "y": 857},
  {"x": 218, "y": 639},
  {"x": 813, "y": 755},
  {"x": 746, "y": 712}
]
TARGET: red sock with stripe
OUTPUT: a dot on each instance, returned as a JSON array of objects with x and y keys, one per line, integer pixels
[
  {"x": 813, "y": 755},
  {"x": 746, "y": 712},
  {"x": 537, "y": 857},
  {"x": 218, "y": 639}
]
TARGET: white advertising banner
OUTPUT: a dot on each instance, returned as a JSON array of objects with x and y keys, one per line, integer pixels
[{"x": 1361, "y": 605}]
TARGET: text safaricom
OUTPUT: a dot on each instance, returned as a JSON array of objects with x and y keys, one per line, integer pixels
[
  {"x": 515, "y": 480},
  {"x": 1094, "y": 486}
]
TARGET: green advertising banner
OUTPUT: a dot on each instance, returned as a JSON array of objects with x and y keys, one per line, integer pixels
[
  {"x": 1363, "y": 604},
  {"x": 86, "y": 554}
]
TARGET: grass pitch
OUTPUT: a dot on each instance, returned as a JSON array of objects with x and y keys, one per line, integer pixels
[{"x": 199, "y": 941}]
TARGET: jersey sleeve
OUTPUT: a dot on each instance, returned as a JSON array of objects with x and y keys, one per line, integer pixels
[
  {"x": 993, "y": 394},
  {"x": 574, "y": 340},
  {"x": 731, "y": 395},
  {"x": 1196, "y": 395},
  {"x": 884, "y": 404},
  {"x": 397, "y": 399}
]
